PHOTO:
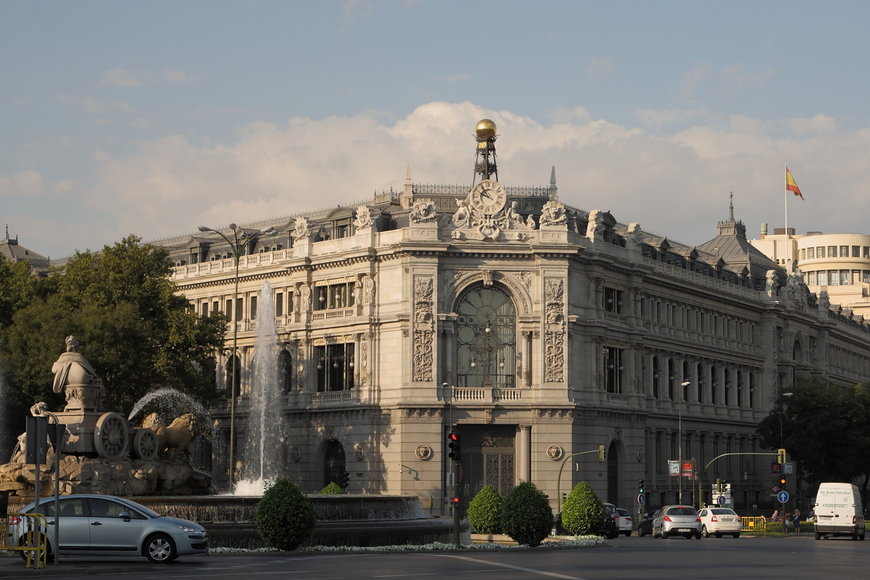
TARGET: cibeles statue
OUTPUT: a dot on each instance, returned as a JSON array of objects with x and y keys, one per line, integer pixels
[{"x": 76, "y": 378}]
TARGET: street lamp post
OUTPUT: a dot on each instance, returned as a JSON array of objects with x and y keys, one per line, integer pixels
[
  {"x": 680, "y": 429},
  {"x": 241, "y": 239}
]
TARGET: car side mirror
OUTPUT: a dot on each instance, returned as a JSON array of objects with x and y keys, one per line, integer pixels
[{"x": 125, "y": 515}]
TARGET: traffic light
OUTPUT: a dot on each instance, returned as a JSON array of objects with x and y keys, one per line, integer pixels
[
  {"x": 780, "y": 456},
  {"x": 345, "y": 480},
  {"x": 639, "y": 486},
  {"x": 455, "y": 501},
  {"x": 601, "y": 453},
  {"x": 454, "y": 446},
  {"x": 782, "y": 482}
]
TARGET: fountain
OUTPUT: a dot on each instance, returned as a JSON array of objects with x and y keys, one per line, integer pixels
[{"x": 263, "y": 428}]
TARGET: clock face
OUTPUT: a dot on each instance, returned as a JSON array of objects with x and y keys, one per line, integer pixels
[{"x": 488, "y": 196}]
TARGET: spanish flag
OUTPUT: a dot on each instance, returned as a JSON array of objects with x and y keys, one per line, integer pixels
[{"x": 790, "y": 185}]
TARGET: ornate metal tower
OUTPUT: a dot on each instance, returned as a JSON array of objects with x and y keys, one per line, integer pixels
[{"x": 484, "y": 163}]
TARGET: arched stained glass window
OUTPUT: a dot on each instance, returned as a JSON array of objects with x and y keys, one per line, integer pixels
[{"x": 486, "y": 339}]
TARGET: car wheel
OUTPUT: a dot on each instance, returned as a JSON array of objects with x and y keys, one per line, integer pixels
[
  {"x": 736, "y": 534},
  {"x": 818, "y": 536},
  {"x": 640, "y": 532},
  {"x": 22, "y": 541},
  {"x": 718, "y": 534},
  {"x": 160, "y": 548},
  {"x": 697, "y": 535},
  {"x": 628, "y": 533},
  {"x": 861, "y": 537},
  {"x": 664, "y": 535},
  {"x": 704, "y": 532}
]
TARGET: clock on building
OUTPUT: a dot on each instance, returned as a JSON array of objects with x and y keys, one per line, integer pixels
[{"x": 488, "y": 197}]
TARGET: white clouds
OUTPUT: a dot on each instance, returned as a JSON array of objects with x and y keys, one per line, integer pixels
[
  {"x": 120, "y": 78},
  {"x": 675, "y": 184},
  {"x": 600, "y": 66}
]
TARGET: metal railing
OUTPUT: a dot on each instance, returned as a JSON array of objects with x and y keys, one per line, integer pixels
[{"x": 35, "y": 539}]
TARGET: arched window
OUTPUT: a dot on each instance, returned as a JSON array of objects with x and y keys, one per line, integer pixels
[{"x": 486, "y": 339}]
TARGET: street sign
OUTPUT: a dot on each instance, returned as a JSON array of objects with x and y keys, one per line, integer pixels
[
  {"x": 775, "y": 489},
  {"x": 641, "y": 498},
  {"x": 782, "y": 496},
  {"x": 721, "y": 500}
]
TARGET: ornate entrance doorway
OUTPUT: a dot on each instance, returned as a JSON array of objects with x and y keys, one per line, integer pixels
[
  {"x": 333, "y": 463},
  {"x": 488, "y": 458}
]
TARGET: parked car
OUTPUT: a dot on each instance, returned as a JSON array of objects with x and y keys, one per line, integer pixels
[
  {"x": 625, "y": 521},
  {"x": 645, "y": 526},
  {"x": 718, "y": 521},
  {"x": 610, "y": 529},
  {"x": 677, "y": 519},
  {"x": 112, "y": 526}
]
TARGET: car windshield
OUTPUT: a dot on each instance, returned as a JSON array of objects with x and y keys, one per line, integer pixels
[{"x": 681, "y": 511}]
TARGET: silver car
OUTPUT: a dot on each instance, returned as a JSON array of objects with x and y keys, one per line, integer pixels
[
  {"x": 681, "y": 520},
  {"x": 112, "y": 526}
]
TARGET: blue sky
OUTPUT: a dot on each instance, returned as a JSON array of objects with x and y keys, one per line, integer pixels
[{"x": 151, "y": 118}]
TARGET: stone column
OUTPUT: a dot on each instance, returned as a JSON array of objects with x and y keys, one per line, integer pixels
[{"x": 524, "y": 455}]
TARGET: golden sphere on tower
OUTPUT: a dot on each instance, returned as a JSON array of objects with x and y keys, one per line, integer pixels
[{"x": 485, "y": 129}]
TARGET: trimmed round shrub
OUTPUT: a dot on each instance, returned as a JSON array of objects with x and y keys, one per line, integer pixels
[
  {"x": 484, "y": 511},
  {"x": 582, "y": 512},
  {"x": 285, "y": 516},
  {"x": 526, "y": 515},
  {"x": 332, "y": 489}
]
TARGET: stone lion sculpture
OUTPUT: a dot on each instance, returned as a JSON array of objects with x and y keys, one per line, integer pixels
[{"x": 172, "y": 440}]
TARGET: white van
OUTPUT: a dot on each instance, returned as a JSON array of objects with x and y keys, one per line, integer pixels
[{"x": 838, "y": 511}]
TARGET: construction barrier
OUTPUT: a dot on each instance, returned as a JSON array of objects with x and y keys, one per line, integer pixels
[
  {"x": 34, "y": 541},
  {"x": 755, "y": 524}
]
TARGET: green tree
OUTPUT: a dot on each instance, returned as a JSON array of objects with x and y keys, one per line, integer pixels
[
  {"x": 285, "y": 517},
  {"x": 484, "y": 511},
  {"x": 583, "y": 512},
  {"x": 121, "y": 305},
  {"x": 526, "y": 515},
  {"x": 17, "y": 288},
  {"x": 824, "y": 428}
]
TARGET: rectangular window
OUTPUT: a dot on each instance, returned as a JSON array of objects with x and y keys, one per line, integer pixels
[
  {"x": 865, "y": 251},
  {"x": 844, "y": 251},
  {"x": 856, "y": 277},
  {"x": 253, "y": 308},
  {"x": 832, "y": 251},
  {"x": 866, "y": 275},
  {"x": 613, "y": 369},
  {"x": 833, "y": 278},
  {"x": 820, "y": 251},
  {"x": 239, "y": 309},
  {"x": 204, "y": 309},
  {"x": 229, "y": 309},
  {"x": 612, "y": 300},
  {"x": 215, "y": 306},
  {"x": 856, "y": 251},
  {"x": 812, "y": 279},
  {"x": 811, "y": 253},
  {"x": 844, "y": 277},
  {"x": 334, "y": 367},
  {"x": 279, "y": 304},
  {"x": 339, "y": 295},
  {"x": 823, "y": 278},
  {"x": 803, "y": 254}
]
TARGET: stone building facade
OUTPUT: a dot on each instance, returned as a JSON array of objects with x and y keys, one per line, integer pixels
[{"x": 537, "y": 329}]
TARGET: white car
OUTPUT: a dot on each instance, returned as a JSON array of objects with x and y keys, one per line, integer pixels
[
  {"x": 625, "y": 521},
  {"x": 717, "y": 521}
]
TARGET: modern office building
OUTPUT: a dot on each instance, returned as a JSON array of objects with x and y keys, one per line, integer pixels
[
  {"x": 835, "y": 267},
  {"x": 534, "y": 329}
]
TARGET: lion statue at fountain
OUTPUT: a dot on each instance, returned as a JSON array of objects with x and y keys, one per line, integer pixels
[{"x": 173, "y": 440}]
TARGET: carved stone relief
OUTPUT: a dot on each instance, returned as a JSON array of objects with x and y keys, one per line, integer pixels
[{"x": 424, "y": 328}]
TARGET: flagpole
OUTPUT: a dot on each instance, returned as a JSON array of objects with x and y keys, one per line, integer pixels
[{"x": 787, "y": 238}]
